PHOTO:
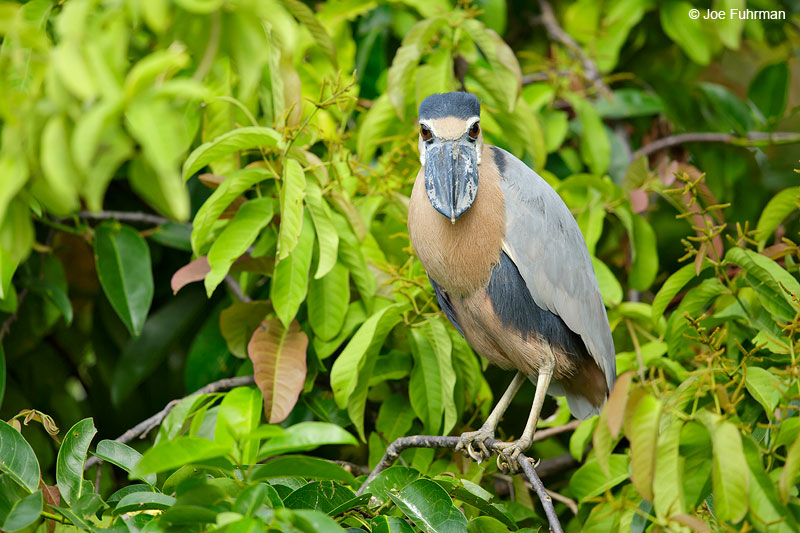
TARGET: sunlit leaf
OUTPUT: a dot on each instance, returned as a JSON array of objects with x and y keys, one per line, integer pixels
[
  {"x": 328, "y": 298},
  {"x": 169, "y": 454},
  {"x": 305, "y": 436},
  {"x": 290, "y": 279},
  {"x": 247, "y": 138},
  {"x": 71, "y": 460}
]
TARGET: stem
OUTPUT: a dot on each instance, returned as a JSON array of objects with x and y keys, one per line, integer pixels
[{"x": 753, "y": 138}]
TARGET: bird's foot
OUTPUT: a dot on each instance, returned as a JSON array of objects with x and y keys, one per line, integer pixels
[
  {"x": 475, "y": 439},
  {"x": 508, "y": 455}
]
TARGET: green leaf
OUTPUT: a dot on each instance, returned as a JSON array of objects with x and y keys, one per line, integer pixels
[
  {"x": 305, "y": 436},
  {"x": 390, "y": 481},
  {"x": 17, "y": 459},
  {"x": 429, "y": 506},
  {"x": 376, "y": 127},
  {"x": 71, "y": 460},
  {"x": 302, "y": 466},
  {"x": 595, "y": 146},
  {"x": 778, "y": 208},
  {"x": 328, "y": 298},
  {"x": 293, "y": 190},
  {"x": 590, "y": 481},
  {"x": 581, "y": 437},
  {"x": 236, "y": 238},
  {"x": 171, "y": 454},
  {"x": 122, "y": 455},
  {"x": 354, "y": 317},
  {"x": 769, "y": 90},
  {"x": 730, "y": 474},
  {"x": 364, "y": 344},
  {"x": 239, "y": 415},
  {"x": 610, "y": 287},
  {"x": 327, "y": 237},
  {"x": 684, "y": 31},
  {"x": 18, "y": 513},
  {"x": 310, "y": 521},
  {"x": 351, "y": 256},
  {"x": 790, "y": 470},
  {"x": 290, "y": 279},
  {"x": 643, "y": 439},
  {"x": 433, "y": 378},
  {"x": 304, "y": 14},
  {"x": 58, "y": 189},
  {"x": 629, "y": 103},
  {"x": 645, "y": 255},
  {"x": 279, "y": 366},
  {"x": 675, "y": 282},
  {"x": 769, "y": 273},
  {"x": 767, "y": 513},
  {"x": 143, "y": 501},
  {"x": 486, "y": 524},
  {"x": 728, "y": 112},
  {"x": 123, "y": 266},
  {"x": 407, "y": 58},
  {"x": 208, "y": 214},
  {"x": 325, "y": 496},
  {"x": 239, "y": 139},
  {"x": 730, "y": 28},
  {"x": 764, "y": 387},
  {"x": 390, "y": 524}
]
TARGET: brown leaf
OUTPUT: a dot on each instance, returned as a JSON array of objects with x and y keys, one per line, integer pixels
[
  {"x": 691, "y": 521},
  {"x": 238, "y": 322},
  {"x": 261, "y": 265},
  {"x": 639, "y": 200},
  {"x": 233, "y": 207},
  {"x": 51, "y": 497},
  {"x": 211, "y": 180},
  {"x": 194, "y": 271},
  {"x": 615, "y": 408},
  {"x": 279, "y": 365}
]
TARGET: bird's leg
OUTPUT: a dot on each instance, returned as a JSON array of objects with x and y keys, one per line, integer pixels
[
  {"x": 486, "y": 431},
  {"x": 508, "y": 452}
]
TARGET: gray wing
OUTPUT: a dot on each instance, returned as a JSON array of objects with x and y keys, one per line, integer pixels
[{"x": 547, "y": 246}]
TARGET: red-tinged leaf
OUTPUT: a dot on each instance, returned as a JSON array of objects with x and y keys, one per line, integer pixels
[
  {"x": 279, "y": 364},
  {"x": 238, "y": 322},
  {"x": 211, "y": 180},
  {"x": 615, "y": 408},
  {"x": 194, "y": 271},
  {"x": 639, "y": 200}
]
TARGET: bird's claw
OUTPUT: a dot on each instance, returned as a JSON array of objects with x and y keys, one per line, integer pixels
[
  {"x": 508, "y": 455},
  {"x": 476, "y": 439}
]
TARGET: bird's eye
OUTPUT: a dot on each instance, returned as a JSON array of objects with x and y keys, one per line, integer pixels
[
  {"x": 425, "y": 133},
  {"x": 474, "y": 131}
]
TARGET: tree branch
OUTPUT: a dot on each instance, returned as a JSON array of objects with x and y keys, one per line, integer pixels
[
  {"x": 143, "y": 428},
  {"x": 126, "y": 216},
  {"x": 554, "y": 30},
  {"x": 753, "y": 138},
  {"x": 526, "y": 463}
]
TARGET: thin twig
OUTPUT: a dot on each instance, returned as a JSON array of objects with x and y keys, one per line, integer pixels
[
  {"x": 554, "y": 30},
  {"x": 431, "y": 441},
  {"x": 753, "y": 138},
  {"x": 126, "y": 216},
  {"x": 569, "y": 502},
  {"x": 234, "y": 286},
  {"x": 143, "y": 428},
  {"x": 8, "y": 322}
]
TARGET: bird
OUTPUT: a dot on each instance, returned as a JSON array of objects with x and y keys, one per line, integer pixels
[{"x": 510, "y": 270}]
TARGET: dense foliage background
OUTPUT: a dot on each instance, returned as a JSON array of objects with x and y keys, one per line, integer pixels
[{"x": 193, "y": 190}]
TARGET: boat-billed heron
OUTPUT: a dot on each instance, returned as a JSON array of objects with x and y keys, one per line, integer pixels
[{"x": 510, "y": 269}]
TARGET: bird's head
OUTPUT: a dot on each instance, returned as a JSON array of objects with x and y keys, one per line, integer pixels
[{"x": 450, "y": 146}]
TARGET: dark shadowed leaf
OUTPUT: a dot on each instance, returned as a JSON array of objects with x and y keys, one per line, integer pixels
[
  {"x": 123, "y": 266},
  {"x": 279, "y": 364},
  {"x": 769, "y": 90},
  {"x": 71, "y": 458},
  {"x": 302, "y": 466},
  {"x": 18, "y": 460},
  {"x": 238, "y": 322},
  {"x": 324, "y": 496}
]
